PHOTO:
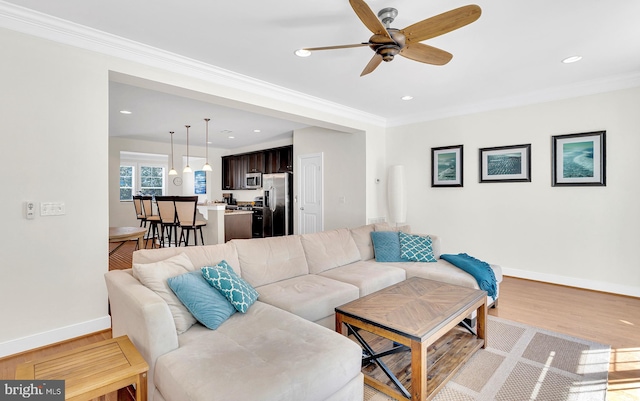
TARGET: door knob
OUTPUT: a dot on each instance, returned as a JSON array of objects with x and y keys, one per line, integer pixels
[{"x": 301, "y": 207}]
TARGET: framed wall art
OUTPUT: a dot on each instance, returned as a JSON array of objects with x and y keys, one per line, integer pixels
[
  {"x": 446, "y": 166},
  {"x": 506, "y": 164},
  {"x": 578, "y": 159}
]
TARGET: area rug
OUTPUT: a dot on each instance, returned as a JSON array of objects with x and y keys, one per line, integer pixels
[{"x": 525, "y": 363}]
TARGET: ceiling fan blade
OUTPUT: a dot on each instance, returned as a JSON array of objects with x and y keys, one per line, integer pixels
[
  {"x": 369, "y": 18},
  {"x": 336, "y": 47},
  {"x": 373, "y": 64},
  {"x": 426, "y": 54},
  {"x": 441, "y": 24}
]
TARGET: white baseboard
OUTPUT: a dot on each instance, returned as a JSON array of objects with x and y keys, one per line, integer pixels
[
  {"x": 620, "y": 289},
  {"x": 54, "y": 336}
]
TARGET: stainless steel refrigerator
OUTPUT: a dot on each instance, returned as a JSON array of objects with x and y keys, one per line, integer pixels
[{"x": 278, "y": 204}]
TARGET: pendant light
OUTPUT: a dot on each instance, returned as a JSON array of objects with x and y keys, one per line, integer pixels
[
  {"x": 187, "y": 169},
  {"x": 173, "y": 170},
  {"x": 207, "y": 166}
]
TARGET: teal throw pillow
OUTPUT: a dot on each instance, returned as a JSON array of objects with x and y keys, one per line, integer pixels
[
  {"x": 416, "y": 248},
  {"x": 386, "y": 246},
  {"x": 222, "y": 277},
  {"x": 205, "y": 303}
]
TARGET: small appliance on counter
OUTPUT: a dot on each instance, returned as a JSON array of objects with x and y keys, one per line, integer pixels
[{"x": 228, "y": 198}]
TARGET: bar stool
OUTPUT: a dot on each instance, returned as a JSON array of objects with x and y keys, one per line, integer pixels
[
  {"x": 168, "y": 219},
  {"x": 152, "y": 219},
  {"x": 186, "y": 209}
]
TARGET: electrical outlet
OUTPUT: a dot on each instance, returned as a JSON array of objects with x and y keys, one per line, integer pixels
[{"x": 30, "y": 210}]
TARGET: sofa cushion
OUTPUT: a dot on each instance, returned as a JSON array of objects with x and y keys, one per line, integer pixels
[
  {"x": 328, "y": 249},
  {"x": 267, "y": 355},
  {"x": 416, "y": 248},
  {"x": 154, "y": 276},
  {"x": 222, "y": 277},
  {"x": 266, "y": 260},
  {"x": 443, "y": 271},
  {"x": 206, "y": 255},
  {"x": 387, "y": 227},
  {"x": 362, "y": 237},
  {"x": 386, "y": 246},
  {"x": 368, "y": 276},
  {"x": 205, "y": 302},
  {"x": 311, "y": 296}
]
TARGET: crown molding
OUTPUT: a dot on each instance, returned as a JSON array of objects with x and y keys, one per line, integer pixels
[
  {"x": 585, "y": 88},
  {"x": 45, "y": 26}
]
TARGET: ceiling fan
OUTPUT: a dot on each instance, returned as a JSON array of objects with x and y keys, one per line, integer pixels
[{"x": 388, "y": 42}]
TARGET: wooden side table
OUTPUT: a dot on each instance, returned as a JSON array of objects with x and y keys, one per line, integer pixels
[{"x": 93, "y": 370}]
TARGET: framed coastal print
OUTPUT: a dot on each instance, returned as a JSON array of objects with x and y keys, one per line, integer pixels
[
  {"x": 446, "y": 166},
  {"x": 578, "y": 159},
  {"x": 200, "y": 182},
  {"x": 506, "y": 164}
]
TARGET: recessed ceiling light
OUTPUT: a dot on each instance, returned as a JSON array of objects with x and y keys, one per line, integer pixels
[
  {"x": 406, "y": 97},
  {"x": 125, "y": 112},
  {"x": 256, "y": 130},
  {"x": 231, "y": 137},
  {"x": 302, "y": 53},
  {"x": 572, "y": 59}
]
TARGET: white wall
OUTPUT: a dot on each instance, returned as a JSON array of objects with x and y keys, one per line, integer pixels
[
  {"x": 54, "y": 120},
  {"x": 583, "y": 236},
  {"x": 344, "y": 173}
]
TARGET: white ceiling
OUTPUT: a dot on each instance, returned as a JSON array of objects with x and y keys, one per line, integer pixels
[{"x": 510, "y": 56}]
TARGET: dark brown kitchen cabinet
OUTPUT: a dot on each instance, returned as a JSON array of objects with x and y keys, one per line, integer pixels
[
  {"x": 279, "y": 160},
  {"x": 235, "y": 167},
  {"x": 255, "y": 162}
]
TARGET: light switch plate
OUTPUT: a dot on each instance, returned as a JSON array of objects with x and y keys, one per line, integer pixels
[{"x": 52, "y": 209}]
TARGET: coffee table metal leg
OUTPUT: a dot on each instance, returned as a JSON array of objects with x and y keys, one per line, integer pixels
[{"x": 376, "y": 359}]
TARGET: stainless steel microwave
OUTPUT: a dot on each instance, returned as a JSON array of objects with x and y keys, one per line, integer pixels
[{"x": 253, "y": 181}]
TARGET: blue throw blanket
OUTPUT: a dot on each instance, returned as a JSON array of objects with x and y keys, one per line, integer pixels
[{"x": 481, "y": 271}]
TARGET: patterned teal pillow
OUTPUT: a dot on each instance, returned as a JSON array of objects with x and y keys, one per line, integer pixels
[
  {"x": 416, "y": 248},
  {"x": 205, "y": 303},
  {"x": 240, "y": 293}
]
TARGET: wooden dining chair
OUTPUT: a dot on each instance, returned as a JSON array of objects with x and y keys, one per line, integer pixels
[
  {"x": 187, "y": 210},
  {"x": 168, "y": 219},
  {"x": 151, "y": 218}
]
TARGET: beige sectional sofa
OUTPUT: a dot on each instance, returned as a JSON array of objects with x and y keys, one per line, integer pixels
[{"x": 284, "y": 347}]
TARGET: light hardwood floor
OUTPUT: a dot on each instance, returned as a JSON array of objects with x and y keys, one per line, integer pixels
[{"x": 605, "y": 318}]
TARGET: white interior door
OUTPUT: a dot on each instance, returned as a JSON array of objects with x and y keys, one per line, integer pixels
[{"x": 309, "y": 202}]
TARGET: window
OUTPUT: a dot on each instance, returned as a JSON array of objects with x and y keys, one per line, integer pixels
[
  {"x": 126, "y": 183},
  {"x": 142, "y": 174},
  {"x": 151, "y": 180}
]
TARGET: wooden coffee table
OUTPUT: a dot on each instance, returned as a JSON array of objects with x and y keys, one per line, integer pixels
[
  {"x": 414, "y": 315},
  {"x": 93, "y": 370}
]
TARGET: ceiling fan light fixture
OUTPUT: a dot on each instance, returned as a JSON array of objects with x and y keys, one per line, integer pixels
[
  {"x": 302, "y": 53},
  {"x": 572, "y": 59}
]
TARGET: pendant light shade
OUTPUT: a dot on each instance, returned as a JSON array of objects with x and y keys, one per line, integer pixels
[
  {"x": 207, "y": 166},
  {"x": 397, "y": 196},
  {"x": 173, "y": 170},
  {"x": 187, "y": 169}
]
